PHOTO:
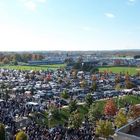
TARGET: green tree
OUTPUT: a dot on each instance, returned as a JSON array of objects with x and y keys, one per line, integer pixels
[
  {"x": 2, "y": 132},
  {"x": 55, "y": 113},
  {"x": 88, "y": 99},
  {"x": 72, "y": 106},
  {"x": 94, "y": 70},
  {"x": 129, "y": 84},
  {"x": 121, "y": 119},
  {"x": 15, "y": 63},
  {"x": 65, "y": 94},
  {"x": 104, "y": 128},
  {"x": 75, "y": 120},
  {"x": 21, "y": 136},
  {"x": 17, "y": 57},
  {"x": 5, "y": 60},
  {"x": 94, "y": 113},
  {"x": 94, "y": 86},
  {"x": 117, "y": 87}
]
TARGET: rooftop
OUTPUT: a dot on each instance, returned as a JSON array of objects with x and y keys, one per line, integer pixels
[
  {"x": 135, "y": 132},
  {"x": 130, "y": 131}
]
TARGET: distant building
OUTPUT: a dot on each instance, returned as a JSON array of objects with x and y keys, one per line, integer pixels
[{"x": 45, "y": 62}]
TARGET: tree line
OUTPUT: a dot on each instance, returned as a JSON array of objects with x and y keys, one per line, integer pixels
[{"x": 14, "y": 58}]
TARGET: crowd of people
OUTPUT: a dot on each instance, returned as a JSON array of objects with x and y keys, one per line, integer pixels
[
  {"x": 10, "y": 109},
  {"x": 36, "y": 132},
  {"x": 20, "y": 97}
]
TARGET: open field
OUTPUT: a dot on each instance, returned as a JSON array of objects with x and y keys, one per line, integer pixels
[
  {"x": 130, "y": 70},
  {"x": 35, "y": 68}
]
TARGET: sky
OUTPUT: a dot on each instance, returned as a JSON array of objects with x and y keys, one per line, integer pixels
[{"x": 27, "y": 25}]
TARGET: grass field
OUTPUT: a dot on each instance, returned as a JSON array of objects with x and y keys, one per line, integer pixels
[
  {"x": 83, "y": 109},
  {"x": 35, "y": 68},
  {"x": 130, "y": 70},
  {"x": 121, "y": 101}
]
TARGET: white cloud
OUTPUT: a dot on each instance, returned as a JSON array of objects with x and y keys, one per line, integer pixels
[
  {"x": 30, "y": 5},
  {"x": 131, "y": 2},
  {"x": 109, "y": 15}
]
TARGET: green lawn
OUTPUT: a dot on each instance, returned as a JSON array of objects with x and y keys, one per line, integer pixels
[
  {"x": 122, "y": 100},
  {"x": 83, "y": 109},
  {"x": 130, "y": 70},
  {"x": 36, "y": 68}
]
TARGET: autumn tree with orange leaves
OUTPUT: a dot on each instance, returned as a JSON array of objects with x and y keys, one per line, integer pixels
[
  {"x": 134, "y": 112},
  {"x": 127, "y": 77},
  {"x": 110, "y": 108},
  {"x": 117, "y": 79},
  {"x": 94, "y": 78}
]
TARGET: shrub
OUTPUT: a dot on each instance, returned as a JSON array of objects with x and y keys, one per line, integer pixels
[
  {"x": 21, "y": 136},
  {"x": 2, "y": 132}
]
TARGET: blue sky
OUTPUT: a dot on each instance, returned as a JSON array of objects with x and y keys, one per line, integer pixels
[{"x": 69, "y": 24}]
